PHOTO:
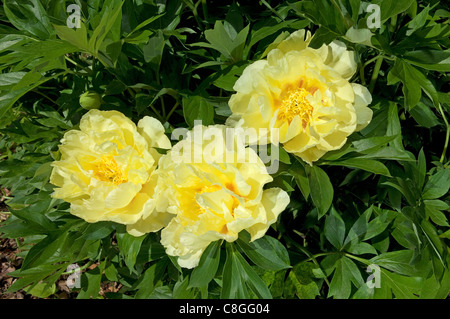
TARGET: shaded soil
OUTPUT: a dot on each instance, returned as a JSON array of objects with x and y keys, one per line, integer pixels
[{"x": 9, "y": 261}]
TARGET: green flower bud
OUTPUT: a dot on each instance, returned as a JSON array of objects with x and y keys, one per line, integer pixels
[{"x": 90, "y": 100}]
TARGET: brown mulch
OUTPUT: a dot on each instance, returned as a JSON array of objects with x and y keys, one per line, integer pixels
[{"x": 9, "y": 262}]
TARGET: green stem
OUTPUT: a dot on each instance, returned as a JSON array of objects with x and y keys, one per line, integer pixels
[
  {"x": 376, "y": 58},
  {"x": 88, "y": 71},
  {"x": 18, "y": 243},
  {"x": 361, "y": 73},
  {"x": 133, "y": 95},
  {"x": 447, "y": 136},
  {"x": 194, "y": 11},
  {"x": 361, "y": 260},
  {"x": 44, "y": 95},
  {"x": 171, "y": 111},
  {"x": 156, "y": 112},
  {"x": 312, "y": 257},
  {"x": 205, "y": 10},
  {"x": 78, "y": 269},
  {"x": 376, "y": 70},
  {"x": 163, "y": 107},
  {"x": 338, "y": 9},
  {"x": 393, "y": 23}
]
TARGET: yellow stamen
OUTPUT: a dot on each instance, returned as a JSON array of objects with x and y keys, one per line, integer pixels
[
  {"x": 107, "y": 170},
  {"x": 295, "y": 103}
]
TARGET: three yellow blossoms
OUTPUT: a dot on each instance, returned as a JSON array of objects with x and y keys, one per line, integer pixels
[{"x": 110, "y": 169}]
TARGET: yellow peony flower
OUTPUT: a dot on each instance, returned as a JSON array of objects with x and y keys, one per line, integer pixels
[
  {"x": 305, "y": 93},
  {"x": 106, "y": 168},
  {"x": 214, "y": 193}
]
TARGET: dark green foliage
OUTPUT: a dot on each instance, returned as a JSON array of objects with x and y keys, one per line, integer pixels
[{"x": 378, "y": 206}]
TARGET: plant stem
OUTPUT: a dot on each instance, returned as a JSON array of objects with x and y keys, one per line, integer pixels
[
  {"x": 361, "y": 73},
  {"x": 89, "y": 71},
  {"x": 163, "y": 107},
  {"x": 44, "y": 95},
  {"x": 312, "y": 257},
  {"x": 156, "y": 112},
  {"x": 78, "y": 269},
  {"x": 376, "y": 70},
  {"x": 447, "y": 135},
  {"x": 361, "y": 260},
  {"x": 205, "y": 10},
  {"x": 172, "y": 110}
]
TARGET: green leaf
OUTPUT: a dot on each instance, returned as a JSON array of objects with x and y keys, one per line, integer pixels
[
  {"x": 198, "y": 108},
  {"x": 438, "y": 185},
  {"x": 153, "y": 50},
  {"x": 8, "y": 100},
  {"x": 41, "y": 289},
  {"x": 238, "y": 275},
  {"x": 371, "y": 144},
  {"x": 266, "y": 252},
  {"x": 76, "y": 37},
  {"x": 389, "y": 9},
  {"x": 413, "y": 82},
  {"x": 150, "y": 277},
  {"x": 29, "y": 16},
  {"x": 401, "y": 287},
  {"x": 181, "y": 290},
  {"x": 418, "y": 21},
  {"x": 129, "y": 246},
  {"x": 362, "y": 229},
  {"x": 233, "y": 286},
  {"x": 298, "y": 171},
  {"x": 424, "y": 116},
  {"x": 434, "y": 208},
  {"x": 35, "y": 215},
  {"x": 346, "y": 272},
  {"x": 361, "y": 249},
  {"x": 324, "y": 13},
  {"x": 33, "y": 275},
  {"x": 303, "y": 280},
  {"x": 230, "y": 45},
  {"x": 111, "y": 15},
  {"x": 321, "y": 188},
  {"x": 8, "y": 80},
  {"x": 98, "y": 230},
  {"x": 207, "y": 267},
  {"x": 436, "y": 288},
  {"x": 91, "y": 281},
  {"x": 227, "y": 78},
  {"x": 44, "y": 250},
  {"x": 251, "y": 278},
  {"x": 335, "y": 229},
  {"x": 368, "y": 165},
  {"x": 435, "y": 243},
  {"x": 398, "y": 261},
  {"x": 435, "y": 60},
  {"x": 266, "y": 31}
]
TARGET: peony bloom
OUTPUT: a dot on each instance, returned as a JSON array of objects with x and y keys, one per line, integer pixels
[
  {"x": 214, "y": 194},
  {"x": 106, "y": 168},
  {"x": 305, "y": 93}
]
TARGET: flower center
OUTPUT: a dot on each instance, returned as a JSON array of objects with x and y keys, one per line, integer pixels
[
  {"x": 295, "y": 103},
  {"x": 107, "y": 170}
]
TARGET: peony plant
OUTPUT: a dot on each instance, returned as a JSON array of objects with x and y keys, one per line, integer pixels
[
  {"x": 305, "y": 94},
  {"x": 183, "y": 149}
]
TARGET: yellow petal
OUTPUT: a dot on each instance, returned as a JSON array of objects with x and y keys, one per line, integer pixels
[{"x": 362, "y": 99}]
